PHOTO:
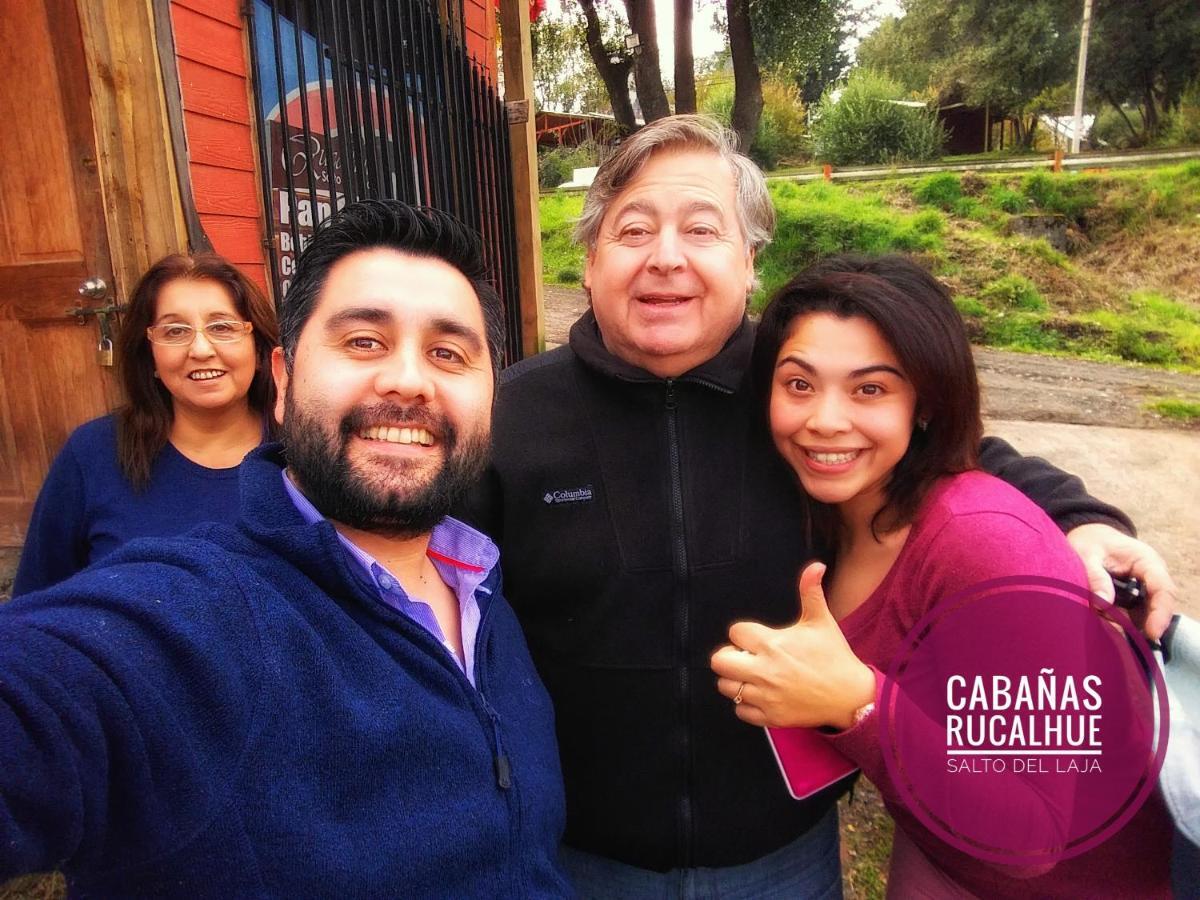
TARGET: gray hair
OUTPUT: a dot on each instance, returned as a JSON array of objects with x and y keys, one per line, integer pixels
[{"x": 756, "y": 215}]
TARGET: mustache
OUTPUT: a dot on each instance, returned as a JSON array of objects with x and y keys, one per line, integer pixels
[{"x": 362, "y": 417}]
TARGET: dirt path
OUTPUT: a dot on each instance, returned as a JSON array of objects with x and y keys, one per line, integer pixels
[{"x": 1016, "y": 386}]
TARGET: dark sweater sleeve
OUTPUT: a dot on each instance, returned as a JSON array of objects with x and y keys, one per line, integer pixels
[
  {"x": 125, "y": 707},
  {"x": 1062, "y": 496},
  {"x": 56, "y": 545}
]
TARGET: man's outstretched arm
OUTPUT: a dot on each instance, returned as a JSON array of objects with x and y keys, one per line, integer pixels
[{"x": 1101, "y": 534}]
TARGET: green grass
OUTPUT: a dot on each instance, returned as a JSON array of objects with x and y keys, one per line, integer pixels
[
  {"x": 562, "y": 258},
  {"x": 1019, "y": 293},
  {"x": 1180, "y": 410},
  {"x": 817, "y": 219},
  {"x": 1014, "y": 292},
  {"x": 1153, "y": 329},
  {"x": 943, "y": 190},
  {"x": 1041, "y": 249},
  {"x": 969, "y": 307}
]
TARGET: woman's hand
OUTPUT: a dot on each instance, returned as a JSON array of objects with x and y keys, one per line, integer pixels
[{"x": 804, "y": 675}]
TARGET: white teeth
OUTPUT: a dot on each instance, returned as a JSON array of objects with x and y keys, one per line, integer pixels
[
  {"x": 206, "y": 375},
  {"x": 832, "y": 459},
  {"x": 393, "y": 435}
]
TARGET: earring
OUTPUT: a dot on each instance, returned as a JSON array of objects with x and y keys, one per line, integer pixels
[{"x": 922, "y": 423}]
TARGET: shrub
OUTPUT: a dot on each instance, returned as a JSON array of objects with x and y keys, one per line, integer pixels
[
  {"x": 943, "y": 189},
  {"x": 1068, "y": 195},
  {"x": 552, "y": 169},
  {"x": 968, "y": 208},
  {"x": 1014, "y": 292},
  {"x": 858, "y": 123},
  {"x": 1131, "y": 342},
  {"x": 557, "y": 164},
  {"x": 1022, "y": 331},
  {"x": 1006, "y": 199},
  {"x": 969, "y": 306},
  {"x": 781, "y": 130},
  {"x": 1182, "y": 125},
  {"x": 781, "y": 134},
  {"x": 1109, "y": 130}
]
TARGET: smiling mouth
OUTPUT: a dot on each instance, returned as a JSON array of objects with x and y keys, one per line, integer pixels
[
  {"x": 205, "y": 374},
  {"x": 663, "y": 300},
  {"x": 392, "y": 434},
  {"x": 832, "y": 459}
]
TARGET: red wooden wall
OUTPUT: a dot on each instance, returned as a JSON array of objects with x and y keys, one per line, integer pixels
[
  {"x": 479, "y": 25},
  {"x": 214, "y": 79}
]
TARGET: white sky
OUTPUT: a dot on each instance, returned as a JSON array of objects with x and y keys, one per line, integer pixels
[{"x": 705, "y": 40}]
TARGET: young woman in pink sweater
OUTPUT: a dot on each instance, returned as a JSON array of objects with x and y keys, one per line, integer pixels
[{"x": 874, "y": 403}]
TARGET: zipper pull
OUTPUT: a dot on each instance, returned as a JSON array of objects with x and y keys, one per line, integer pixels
[
  {"x": 503, "y": 772},
  {"x": 503, "y": 766},
  {"x": 671, "y": 393}
]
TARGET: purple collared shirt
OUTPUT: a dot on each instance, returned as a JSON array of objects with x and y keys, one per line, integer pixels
[{"x": 462, "y": 556}]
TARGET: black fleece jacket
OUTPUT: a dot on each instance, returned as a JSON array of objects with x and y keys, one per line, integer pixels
[{"x": 638, "y": 517}]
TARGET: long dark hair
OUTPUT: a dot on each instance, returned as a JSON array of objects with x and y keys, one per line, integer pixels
[
  {"x": 144, "y": 422},
  {"x": 917, "y": 318}
]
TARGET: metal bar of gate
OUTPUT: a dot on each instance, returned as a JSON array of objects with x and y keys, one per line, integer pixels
[
  {"x": 286, "y": 161},
  {"x": 313, "y": 206},
  {"x": 331, "y": 155},
  {"x": 398, "y": 104}
]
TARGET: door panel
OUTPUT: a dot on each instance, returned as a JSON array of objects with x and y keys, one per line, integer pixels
[{"x": 52, "y": 238}]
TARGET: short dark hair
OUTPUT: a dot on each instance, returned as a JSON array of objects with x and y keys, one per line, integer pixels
[
  {"x": 917, "y": 318},
  {"x": 144, "y": 422},
  {"x": 417, "y": 231}
]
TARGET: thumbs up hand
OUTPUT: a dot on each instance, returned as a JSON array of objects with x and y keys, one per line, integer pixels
[{"x": 803, "y": 675}]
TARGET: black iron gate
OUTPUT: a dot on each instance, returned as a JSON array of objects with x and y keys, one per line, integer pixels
[{"x": 379, "y": 98}]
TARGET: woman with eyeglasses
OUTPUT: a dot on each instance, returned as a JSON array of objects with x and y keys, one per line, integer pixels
[{"x": 194, "y": 362}]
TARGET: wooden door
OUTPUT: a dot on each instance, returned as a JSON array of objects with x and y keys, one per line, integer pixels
[{"x": 52, "y": 238}]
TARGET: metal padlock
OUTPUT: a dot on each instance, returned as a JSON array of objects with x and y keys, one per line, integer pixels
[{"x": 105, "y": 351}]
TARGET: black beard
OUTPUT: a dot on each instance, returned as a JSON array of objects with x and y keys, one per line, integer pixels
[{"x": 318, "y": 460}]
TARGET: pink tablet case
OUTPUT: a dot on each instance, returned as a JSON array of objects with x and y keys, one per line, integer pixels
[{"x": 806, "y": 760}]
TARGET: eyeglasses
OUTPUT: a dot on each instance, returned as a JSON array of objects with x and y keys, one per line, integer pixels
[{"x": 177, "y": 334}]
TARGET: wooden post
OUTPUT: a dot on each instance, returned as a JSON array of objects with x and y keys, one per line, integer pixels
[
  {"x": 1058, "y": 156},
  {"x": 518, "y": 97},
  {"x": 827, "y": 172},
  {"x": 143, "y": 211}
]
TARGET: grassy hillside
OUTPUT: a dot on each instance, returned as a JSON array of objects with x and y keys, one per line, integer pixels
[{"x": 1127, "y": 286}]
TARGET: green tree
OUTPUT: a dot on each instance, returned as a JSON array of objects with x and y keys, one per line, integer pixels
[
  {"x": 1018, "y": 55},
  {"x": 612, "y": 60},
  {"x": 802, "y": 40},
  {"x": 1004, "y": 53},
  {"x": 1144, "y": 54},
  {"x": 564, "y": 77}
]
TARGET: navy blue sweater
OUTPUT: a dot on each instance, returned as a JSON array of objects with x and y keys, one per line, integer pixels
[
  {"x": 87, "y": 508},
  {"x": 236, "y": 714}
]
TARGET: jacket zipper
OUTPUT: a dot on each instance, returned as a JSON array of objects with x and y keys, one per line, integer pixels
[
  {"x": 504, "y": 779},
  {"x": 679, "y": 562},
  {"x": 501, "y": 763}
]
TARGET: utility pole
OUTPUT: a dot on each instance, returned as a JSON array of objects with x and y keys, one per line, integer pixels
[{"x": 1079, "y": 74}]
